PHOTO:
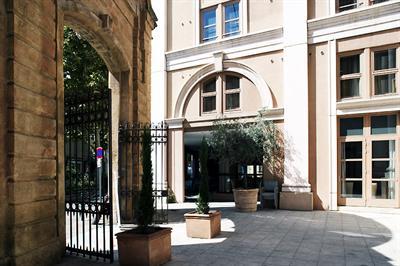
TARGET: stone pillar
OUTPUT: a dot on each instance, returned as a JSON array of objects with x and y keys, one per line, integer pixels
[
  {"x": 35, "y": 181},
  {"x": 296, "y": 190},
  {"x": 175, "y": 161}
]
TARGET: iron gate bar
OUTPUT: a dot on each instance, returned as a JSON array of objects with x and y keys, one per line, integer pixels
[
  {"x": 87, "y": 126},
  {"x": 130, "y": 139}
]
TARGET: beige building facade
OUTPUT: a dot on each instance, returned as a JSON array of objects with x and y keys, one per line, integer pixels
[{"x": 326, "y": 71}]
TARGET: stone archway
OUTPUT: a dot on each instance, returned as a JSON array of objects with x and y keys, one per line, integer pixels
[{"x": 32, "y": 230}]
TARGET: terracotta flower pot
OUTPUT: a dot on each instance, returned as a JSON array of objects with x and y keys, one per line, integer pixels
[
  {"x": 203, "y": 225},
  {"x": 246, "y": 199},
  {"x": 144, "y": 249}
]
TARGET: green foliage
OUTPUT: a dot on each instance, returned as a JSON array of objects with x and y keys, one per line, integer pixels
[
  {"x": 83, "y": 67},
  {"x": 145, "y": 207},
  {"x": 236, "y": 142},
  {"x": 202, "y": 201},
  {"x": 171, "y": 196},
  {"x": 85, "y": 74}
]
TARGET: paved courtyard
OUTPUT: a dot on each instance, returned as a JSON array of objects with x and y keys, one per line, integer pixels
[{"x": 352, "y": 236}]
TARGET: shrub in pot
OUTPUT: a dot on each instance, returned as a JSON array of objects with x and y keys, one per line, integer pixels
[
  {"x": 203, "y": 223},
  {"x": 239, "y": 143},
  {"x": 146, "y": 244}
]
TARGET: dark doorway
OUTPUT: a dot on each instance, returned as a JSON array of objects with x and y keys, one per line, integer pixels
[{"x": 220, "y": 180}]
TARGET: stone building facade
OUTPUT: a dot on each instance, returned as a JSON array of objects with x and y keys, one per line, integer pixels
[
  {"x": 32, "y": 224},
  {"x": 317, "y": 68}
]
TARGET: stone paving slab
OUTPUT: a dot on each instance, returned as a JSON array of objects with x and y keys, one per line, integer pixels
[{"x": 280, "y": 237}]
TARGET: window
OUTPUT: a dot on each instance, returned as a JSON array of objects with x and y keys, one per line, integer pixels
[
  {"x": 220, "y": 21},
  {"x": 209, "y": 96},
  {"x": 383, "y": 169},
  {"x": 343, "y": 5},
  {"x": 232, "y": 92},
  {"x": 373, "y": 2},
  {"x": 351, "y": 169},
  {"x": 231, "y": 19},
  {"x": 384, "y": 73},
  {"x": 385, "y": 124},
  {"x": 351, "y": 126},
  {"x": 350, "y": 76},
  {"x": 208, "y": 25},
  {"x": 348, "y": 5},
  {"x": 221, "y": 93}
]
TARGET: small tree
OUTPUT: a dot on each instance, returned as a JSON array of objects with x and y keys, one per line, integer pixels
[
  {"x": 238, "y": 143},
  {"x": 202, "y": 202},
  {"x": 145, "y": 206}
]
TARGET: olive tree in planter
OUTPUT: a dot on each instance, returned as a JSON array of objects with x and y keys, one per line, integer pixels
[
  {"x": 203, "y": 223},
  {"x": 239, "y": 143},
  {"x": 146, "y": 244}
]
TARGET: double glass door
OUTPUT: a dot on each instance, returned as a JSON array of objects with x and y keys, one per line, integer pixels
[{"x": 369, "y": 161}]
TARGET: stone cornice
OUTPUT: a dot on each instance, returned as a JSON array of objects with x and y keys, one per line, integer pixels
[
  {"x": 272, "y": 113},
  {"x": 375, "y": 104},
  {"x": 354, "y": 20},
  {"x": 234, "y": 44}
]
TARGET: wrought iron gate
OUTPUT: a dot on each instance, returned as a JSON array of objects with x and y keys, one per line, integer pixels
[
  {"x": 130, "y": 139},
  {"x": 88, "y": 182}
]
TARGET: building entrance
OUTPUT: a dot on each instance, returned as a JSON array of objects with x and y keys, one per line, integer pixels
[{"x": 369, "y": 161}]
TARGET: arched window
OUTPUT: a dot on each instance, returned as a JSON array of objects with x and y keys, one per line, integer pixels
[
  {"x": 209, "y": 96},
  {"x": 232, "y": 92},
  {"x": 220, "y": 94}
]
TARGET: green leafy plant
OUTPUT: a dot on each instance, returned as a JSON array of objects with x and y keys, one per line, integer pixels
[
  {"x": 203, "y": 199},
  {"x": 145, "y": 207},
  {"x": 83, "y": 67},
  {"x": 236, "y": 143},
  {"x": 171, "y": 196}
]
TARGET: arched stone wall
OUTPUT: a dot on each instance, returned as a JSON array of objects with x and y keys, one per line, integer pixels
[
  {"x": 228, "y": 66},
  {"x": 32, "y": 186}
]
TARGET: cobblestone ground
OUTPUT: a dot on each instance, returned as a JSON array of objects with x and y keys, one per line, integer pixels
[{"x": 352, "y": 236}]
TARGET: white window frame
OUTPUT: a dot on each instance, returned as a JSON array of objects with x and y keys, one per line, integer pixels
[
  {"x": 208, "y": 94},
  {"x": 231, "y": 91},
  {"x": 382, "y": 72},
  {"x": 202, "y": 27},
  {"x": 350, "y": 76},
  {"x": 235, "y": 33}
]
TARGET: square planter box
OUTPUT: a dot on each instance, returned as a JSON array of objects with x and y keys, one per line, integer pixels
[
  {"x": 203, "y": 225},
  {"x": 144, "y": 249}
]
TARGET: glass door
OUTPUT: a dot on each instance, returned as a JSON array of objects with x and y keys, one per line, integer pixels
[
  {"x": 383, "y": 171},
  {"x": 352, "y": 173},
  {"x": 351, "y": 157},
  {"x": 368, "y": 161},
  {"x": 382, "y": 174}
]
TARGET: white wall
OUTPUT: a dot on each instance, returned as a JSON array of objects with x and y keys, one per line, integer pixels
[{"x": 158, "y": 73}]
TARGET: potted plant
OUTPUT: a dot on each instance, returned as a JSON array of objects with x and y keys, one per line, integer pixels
[
  {"x": 146, "y": 244},
  {"x": 203, "y": 223},
  {"x": 239, "y": 143}
]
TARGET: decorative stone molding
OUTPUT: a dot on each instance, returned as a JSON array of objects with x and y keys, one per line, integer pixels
[
  {"x": 355, "y": 22},
  {"x": 175, "y": 123},
  {"x": 272, "y": 113},
  {"x": 231, "y": 66},
  {"x": 376, "y": 104},
  {"x": 219, "y": 61},
  {"x": 235, "y": 47}
]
